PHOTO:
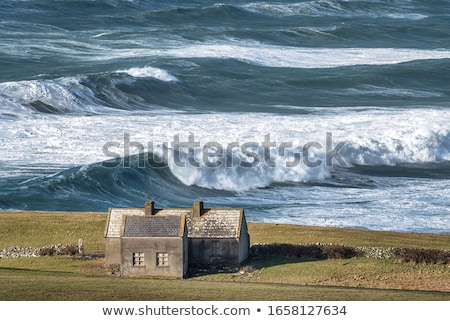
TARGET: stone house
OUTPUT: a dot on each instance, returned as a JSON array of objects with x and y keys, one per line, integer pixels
[
  {"x": 167, "y": 242},
  {"x": 154, "y": 245}
]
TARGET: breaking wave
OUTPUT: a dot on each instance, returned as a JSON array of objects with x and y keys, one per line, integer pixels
[{"x": 88, "y": 94}]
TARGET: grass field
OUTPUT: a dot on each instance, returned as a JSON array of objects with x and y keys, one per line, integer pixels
[{"x": 276, "y": 278}]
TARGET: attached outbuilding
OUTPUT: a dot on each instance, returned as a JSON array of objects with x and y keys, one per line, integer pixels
[{"x": 217, "y": 237}]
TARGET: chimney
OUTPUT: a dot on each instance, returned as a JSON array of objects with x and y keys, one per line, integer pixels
[
  {"x": 197, "y": 209},
  {"x": 149, "y": 208}
]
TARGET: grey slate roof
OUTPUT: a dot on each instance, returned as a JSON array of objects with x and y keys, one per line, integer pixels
[
  {"x": 153, "y": 226},
  {"x": 214, "y": 223}
]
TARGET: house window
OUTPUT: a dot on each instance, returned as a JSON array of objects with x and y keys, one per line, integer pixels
[
  {"x": 138, "y": 259},
  {"x": 162, "y": 259},
  {"x": 215, "y": 248}
]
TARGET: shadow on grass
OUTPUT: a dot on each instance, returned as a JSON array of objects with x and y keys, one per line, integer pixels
[
  {"x": 306, "y": 251},
  {"x": 265, "y": 262},
  {"x": 25, "y": 271},
  {"x": 267, "y": 255},
  {"x": 281, "y": 254},
  {"x": 263, "y": 256}
]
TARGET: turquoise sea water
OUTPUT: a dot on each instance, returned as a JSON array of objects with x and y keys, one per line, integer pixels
[{"x": 331, "y": 113}]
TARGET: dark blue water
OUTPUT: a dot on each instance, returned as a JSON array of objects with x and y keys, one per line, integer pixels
[{"x": 331, "y": 113}]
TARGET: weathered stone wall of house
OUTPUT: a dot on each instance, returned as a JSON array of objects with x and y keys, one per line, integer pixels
[
  {"x": 112, "y": 251},
  {"x": 244, "y": 243},
  {"x": 213, "y": 252},
  {"x": 173, "y": 246}
]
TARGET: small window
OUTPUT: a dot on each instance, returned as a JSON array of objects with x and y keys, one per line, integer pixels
[
  {"x": 138, "y": 259},
  {"x": 162, "y": 259}
]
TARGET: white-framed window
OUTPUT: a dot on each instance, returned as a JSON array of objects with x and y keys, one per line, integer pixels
[
  {"x": 162, "y": 259},
  {"x": 138, "y": 259}
]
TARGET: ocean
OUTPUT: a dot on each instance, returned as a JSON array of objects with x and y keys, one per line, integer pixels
[{"x": 320, "y": 112}]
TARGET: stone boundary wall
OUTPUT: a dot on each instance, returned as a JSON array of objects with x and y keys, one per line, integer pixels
[
  {"x": 322, "y": 251},
  {"x": 55, "y": 249},
  {"x": 335, "y": 251},
  {"x": 311, "y": 251}
]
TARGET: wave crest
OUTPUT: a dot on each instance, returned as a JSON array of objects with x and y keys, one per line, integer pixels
[
  {"x": 150, "y": 72},
  {"x": 394, "y": 147}
]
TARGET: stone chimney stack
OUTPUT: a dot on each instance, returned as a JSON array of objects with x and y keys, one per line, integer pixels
[
  {"x": 149, "y": 208},
  {"x": 197, "y": 209}
]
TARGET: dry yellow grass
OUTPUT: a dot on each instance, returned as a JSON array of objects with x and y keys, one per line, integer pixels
[
  {"x": 286, "y": 233},
  {"x": 39, "y": 228}
]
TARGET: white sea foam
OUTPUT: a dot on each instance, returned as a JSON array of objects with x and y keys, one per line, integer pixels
[
  {"x": 62, "y": 95},
  {"x": 289, "y": 57},
  {"x": 243, "y": 172},
  {"x": 413, "y": 206},
  {"x": 294, "y": 57},
  {"x": 365, "y": 142},
  {"x": 391, "y": 92},
  {"x": 327, "y": 8},
  {"x": 150, "y": 72},
  {"x": 261, "y": 54},
  {"x": 101, "y": 34},
  {"x": 418, "y": 136},
  {"x": 373, "y": 137}
]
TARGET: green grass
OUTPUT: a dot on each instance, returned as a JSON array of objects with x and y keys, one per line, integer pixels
[
  {"x": 355, "y": 273},
  {"x": 285, "y": 233},
  {"x": 72, "y": 278},
  {"x": 37, "y": 229},
  {"x": 67, "y": 278}
]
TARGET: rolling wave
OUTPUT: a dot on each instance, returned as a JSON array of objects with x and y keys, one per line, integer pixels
[
  {"x": 89, "y": 95},
  {"x": 136, "y": 178},
  {"x": 291, "y": 57},
  {"x": 88, "y": 86},
  {"x": 206, "y": 86},
  {"x": 337, "y": 8},
  {"x": 95, "y": 187}
]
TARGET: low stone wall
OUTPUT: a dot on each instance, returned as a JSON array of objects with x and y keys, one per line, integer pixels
[
  {"x": 336, "y": 251},
  {"x": 388, "y": 253},
  {"x": 55, "y": 249}
]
